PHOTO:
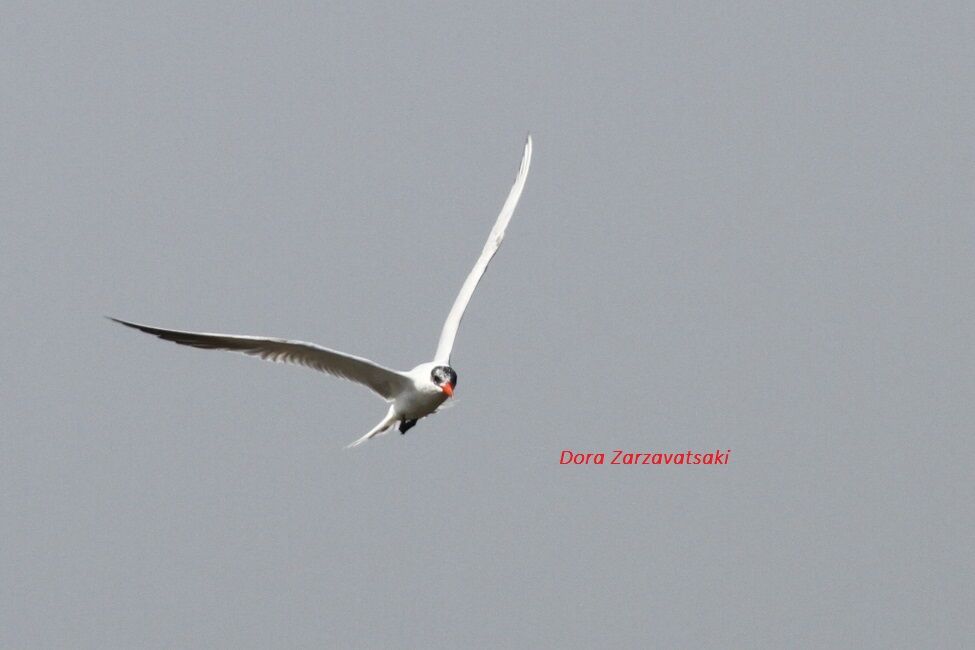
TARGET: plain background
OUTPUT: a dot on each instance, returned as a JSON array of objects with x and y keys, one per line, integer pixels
[{"x": 747, "y": 227}]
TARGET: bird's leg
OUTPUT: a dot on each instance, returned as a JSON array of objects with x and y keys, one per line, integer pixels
[{"x": 406, "y": 425}]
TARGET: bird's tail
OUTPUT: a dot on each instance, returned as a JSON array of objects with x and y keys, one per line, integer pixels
[{"x": 382, "y": 427}]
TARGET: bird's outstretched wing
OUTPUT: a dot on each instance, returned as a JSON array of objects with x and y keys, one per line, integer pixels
[
  {"x": 450, "y": 327},
  {"x": 384, "y": 381}
]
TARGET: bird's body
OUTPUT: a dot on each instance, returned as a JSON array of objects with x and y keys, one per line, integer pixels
[{"x": 412, "y": 394}]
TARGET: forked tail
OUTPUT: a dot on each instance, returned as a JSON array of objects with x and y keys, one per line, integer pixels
[{"x": 382, "y": 427}]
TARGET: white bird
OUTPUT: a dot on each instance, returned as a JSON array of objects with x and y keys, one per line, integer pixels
[{"x": 412, "y": 395}]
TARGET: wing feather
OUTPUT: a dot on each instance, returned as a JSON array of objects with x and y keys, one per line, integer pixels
[
  {"x": 384, "y": 381},
  {"x": 456, "y": 314}
]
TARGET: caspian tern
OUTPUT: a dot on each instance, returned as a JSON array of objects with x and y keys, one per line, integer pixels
[{"x": 412, "y": 395}]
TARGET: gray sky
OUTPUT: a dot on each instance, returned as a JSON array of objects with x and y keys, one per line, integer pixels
[{"x": 746, "y": 227}]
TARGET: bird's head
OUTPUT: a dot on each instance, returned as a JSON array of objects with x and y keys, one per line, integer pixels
[{"x": 445, "y": 378}]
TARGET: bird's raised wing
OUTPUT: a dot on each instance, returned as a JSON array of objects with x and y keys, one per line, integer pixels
[
  {"x": 450, "y": 327},
  {"x": 384, "y": 381}
]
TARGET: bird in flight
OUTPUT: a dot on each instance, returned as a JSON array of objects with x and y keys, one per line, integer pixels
[{"x": 412, "y": 395}]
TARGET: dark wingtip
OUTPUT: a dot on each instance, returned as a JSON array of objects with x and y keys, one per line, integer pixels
[{"x": 123, "y": 322}]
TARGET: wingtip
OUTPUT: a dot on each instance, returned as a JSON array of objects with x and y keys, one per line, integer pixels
[
  {"x": 120, "y": 321},
  {"x": 125, "y": 323},
  {"x": 528, "y": 152}
]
